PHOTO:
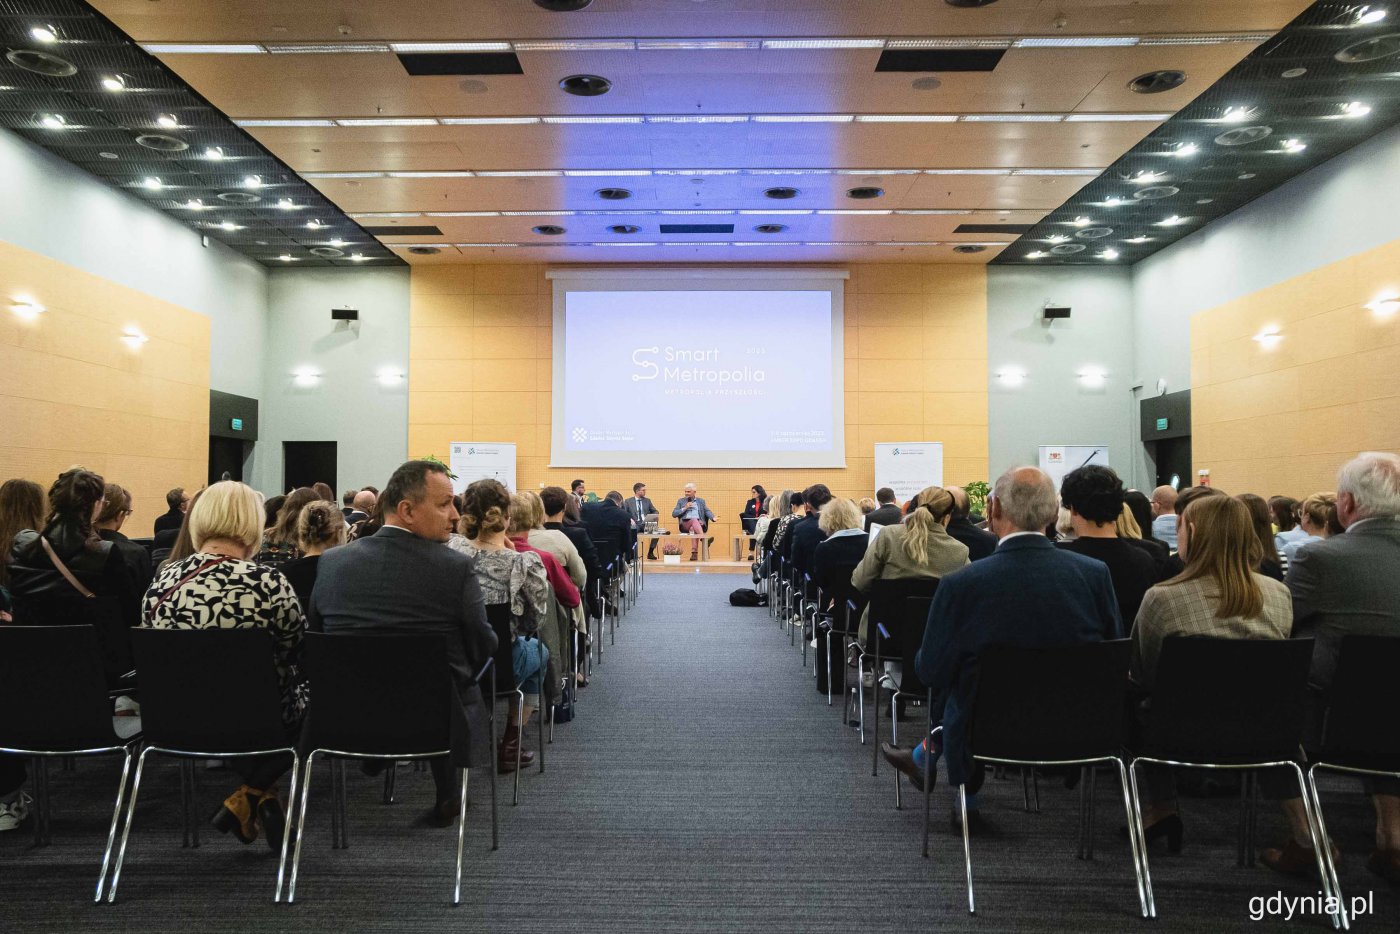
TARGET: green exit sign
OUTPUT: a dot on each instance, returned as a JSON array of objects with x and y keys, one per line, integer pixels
[
  {"x": 1161, "y": 424},
  {"x": 237, "y": 423}
]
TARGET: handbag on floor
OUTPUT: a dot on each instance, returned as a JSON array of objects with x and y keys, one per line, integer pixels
[{"x": 747, "y": 596}]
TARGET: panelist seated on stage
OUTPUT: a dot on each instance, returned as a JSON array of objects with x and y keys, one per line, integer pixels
[
  {"x": 695, "y": 517},
  {"x": 638, "y": 508}
]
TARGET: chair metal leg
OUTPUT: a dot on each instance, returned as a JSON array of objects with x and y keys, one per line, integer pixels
[
  {"x": 491, "y": 766},
  {"x": 877, "y": 675},
  {"x": 519, "y": 744},
  {"x": 461, "y": 837},
  {"x": 389, "y": 780},
  {"x": 967, "y": 848},
  {"x": 928, "y": 790},
  {"x": 116, "y": 818},
  {"x": 287, "y": 826},
  {"x": 1135, "y": 828},
  {"x": 184, "y": 769},
  {"x": 1084, "y": 814},
  {"x": 1336, "y": 885},
  {"x": 894, "y": 741},
  {"x": 1251, "y": 827},
  {"x": 1319, "y": 843},
  {"x": 335, "y": 806},
  {"x": 301, "y": 826},
  {"x": 860, "y": 693},
  {"x": 1035, "y": 789},
  {"x": 39, "y": 766},
  {"x": 829, "y": 634},
  {"x": 126, "y": 829},
  {"x": 1093, "y": 778}
]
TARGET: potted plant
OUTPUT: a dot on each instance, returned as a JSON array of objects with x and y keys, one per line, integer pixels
[
  {"x": 977, "y": 493},
  {"x": 671, "y": 553}
]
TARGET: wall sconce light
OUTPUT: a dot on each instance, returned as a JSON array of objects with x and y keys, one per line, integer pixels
[
  {"x": 389, "y": 376},
  {"x": 1093, "y": 376},
  {"x": 133, "y": 338},
  {"x": 1385, "y": 306},
  {"x": 26, "y": 308},
  {"x": 1011, "y": 376},
  {"x": 1268, "y": 338},
  {"x": 306, "y": 376}
]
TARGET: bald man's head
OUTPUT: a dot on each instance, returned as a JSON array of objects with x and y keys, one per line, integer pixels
[
  {"x": 1163, "y": 501},
  {"x": 364, "y": 501},
  {"x": 1024, "y": 500}
]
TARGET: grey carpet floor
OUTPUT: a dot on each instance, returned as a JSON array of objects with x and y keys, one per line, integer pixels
[{"x": 704, "y": 786}]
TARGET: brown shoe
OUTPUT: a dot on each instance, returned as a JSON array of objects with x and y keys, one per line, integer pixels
[
  {"x": 509, "y": 749},
  {"x": 903, "y": 759},
  {"x": 1294, "y": 859},
  {"x": 238, "y": 814},
  {"x": 1386, "y": 864}
]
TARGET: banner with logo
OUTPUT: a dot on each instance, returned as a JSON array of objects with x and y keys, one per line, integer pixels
[
  {"x": 482, "y": 460},
  {"x": 1059, "y": 459},
  {"x": 908, "y": 467}
]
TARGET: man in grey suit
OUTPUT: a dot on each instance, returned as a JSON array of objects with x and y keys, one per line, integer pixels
[
  {"x": 403, "y": 579},
  {"x": 1350, "y": 585},
  {"x": 695, "y": 516},
  {"x": 638, "y": 508}
]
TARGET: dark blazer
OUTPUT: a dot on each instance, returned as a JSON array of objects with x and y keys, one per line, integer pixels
[
  {"x": 888, "y": 514},
  {"x": 638, "y": 519},
  {"x": 354, "y": 515},
  {"x": 1132, "y": 569},
  {"x": 980, "y": 543},
  {"x": 1346, "y": 585},
  {"x": 804, "y": 537},
  {"x": 395, "y": 582},
  {"x": 170, "y": 520},
  {"x": 301, "y": 574},
  {"x": 836, "y": 557},
  {"x": 1029, "y": 593},
  {"x": 610, "y": 529}
]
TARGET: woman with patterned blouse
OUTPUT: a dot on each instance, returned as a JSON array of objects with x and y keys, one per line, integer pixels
[
  {"x": 508, "y": 577},
  {"x": 220, "y": 587}
]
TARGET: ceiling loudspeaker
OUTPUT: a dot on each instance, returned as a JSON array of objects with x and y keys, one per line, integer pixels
[
  {"x": 1054, "y": 313},
  {"x": 345, "y": 314}
]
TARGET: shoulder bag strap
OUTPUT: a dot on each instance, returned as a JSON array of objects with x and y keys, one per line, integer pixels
[
  {"x": 186, "y": 579},
  {"x": 63, "y": 569}
]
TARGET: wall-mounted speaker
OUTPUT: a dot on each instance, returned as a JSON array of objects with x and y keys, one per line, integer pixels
[
  {"x": 345, "y": 314},
  {"x": 1053, "y": 313}
]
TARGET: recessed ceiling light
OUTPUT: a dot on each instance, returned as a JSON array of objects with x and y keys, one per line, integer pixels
[
  {"x": 1204, "y": 200},
  {"x": 161, "y": 143},
  {"x": 624, "y": 228},
  {"x": 865, "y": 193},
  {"x": 114, "y": 83},
  {"x": 45, "y": 34},
  {"x": 1056, "y": 238},
  {"x": 613, "y": 194},
  {"x": 1293, "y": 72},
  {"x": 1011, "y": 376},
  {"x": 167, "y": 122},
  {"x": 337, "y": 242},
  {"x": 1237, "y": 114},
  {"x": 152, "y": 183},
  {"x": 53, "y": 121},
  {"x": 133, "y": 338},
  {"x": 41, "y": 63},
  {"x": 562, "y": 6},
  {"x": 1186, "y": 149},
  {"x": 1174, "y": 221},
  {"x": 1109, "y": 254},
  {"x": 1246, "y": 176},
  {"x": 1355, "y": 109},
  {"x": 286, "y": 204},
  {"x": 109, "y": 155},
  {"x": 26, "y": 308},
  {"x": 252, "y": 181},
  {"x": 358, "y": 257},
  {"x": 328, "y": 252},
  {"x": 1147, "y": 176},
  {"x": 781, "y": 193},
  {"x": 1294, "y": 145},
  {"x": 286, "y": 257},
  {"x": 314, "y": 224},
  {"x": 213, "y": 153},
  {"x": 1036, "y": 254},
  {"x": 1268, "y": 338},
  {"x": 1067, "y": 249},
  {"x": 1156, "y": 82},
  {"x": 1365, "y": 16},
  {"x": 549, "y": 230},
  {"x": 1081, "y": 221},
  {"x": 585, "y": 85},
  {"x": 1094, "y": 375},
  {"x": 1112, "y": 201},
  {"x": 194, "y": 204},
  {"x": 1243, "y": 136},
  {"x": 1137, "y": 239},
  {"x": 770, "y": 228},
  {"x": 229, "y": 225},
  {"x": 1385, "y": 306}
]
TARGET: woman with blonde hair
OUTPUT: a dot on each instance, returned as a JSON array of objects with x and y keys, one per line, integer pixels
[
  {"x": 320, "y": 527},
  {"x": 1219, "y": 595},
  {"x": 219, "y": 586},
  {"x": 1318, "y": 520},
  {"x": 920, "y": 546}
]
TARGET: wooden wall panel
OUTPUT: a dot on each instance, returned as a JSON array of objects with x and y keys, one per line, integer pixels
[
  {"x": 71, "y": 392},
  {"x": 916, "y": 369},
  {"x": 1282, "y": 420}
]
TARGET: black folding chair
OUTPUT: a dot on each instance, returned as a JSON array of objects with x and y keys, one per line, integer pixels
[
  {"x": 1052, "y": 706},
  {"x": 1358, "y": 729},
  {"x": 1235, "y": 704},
  {"x": 887, "y": 637},
  {"x": 502, "y": 685},
  {"x": 54, "y": 694},
  {"x": 208, "y": 694},
  {"x": 382, "y": 698},
  {"x": 833, "y": 626}
]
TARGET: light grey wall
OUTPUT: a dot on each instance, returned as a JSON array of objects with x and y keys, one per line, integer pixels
[
  {"x": 1052, "y": 406},
  {"x": 347, "y": 404},
  {"x": 52, "y": 207}
]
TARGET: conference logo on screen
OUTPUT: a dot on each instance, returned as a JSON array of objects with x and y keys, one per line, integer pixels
[{"x": 693, "y": 367}]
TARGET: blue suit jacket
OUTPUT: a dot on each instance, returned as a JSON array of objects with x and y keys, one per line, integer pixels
[{"x": 1027, "y": 593}]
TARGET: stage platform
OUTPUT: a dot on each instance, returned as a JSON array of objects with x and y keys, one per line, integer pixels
[{"x": 713, "y": 566}]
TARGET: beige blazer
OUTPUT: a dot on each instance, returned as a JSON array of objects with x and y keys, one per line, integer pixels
[{"x": 886, "y": 559}]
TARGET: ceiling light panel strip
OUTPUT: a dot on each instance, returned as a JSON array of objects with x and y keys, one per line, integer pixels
[
  {"x": 604, "y": 119},
  {"x": 1086, "y": 172}
]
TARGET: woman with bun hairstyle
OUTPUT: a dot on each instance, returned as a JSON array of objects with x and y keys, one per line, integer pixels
[{"x": 320, "y": 527}]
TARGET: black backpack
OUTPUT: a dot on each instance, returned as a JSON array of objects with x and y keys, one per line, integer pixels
[{"x": 747, "y": 596}]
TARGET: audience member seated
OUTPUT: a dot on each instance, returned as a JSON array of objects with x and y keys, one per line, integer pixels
[
  {"x": 790, "y": 510},
  {"x": 1131, "y": 532},
  {"x": 1029, "y": 593},
  {"x": 522, "y": 509},
  {"x": 980, "y": 543},
  {"x": 886, "y": 511},
  {"x": 610, "y": 529},
  {"x": 402, "y": 580},
  {"x": 1350, "y": 584},
  {"x": 1094, "y": 497},
  {"x": 1164, "y": 513},
  {"x": 765, "y": 519},
  {"x": 1317, "y": 520},
  {"x": 360, "y": 507},
  {"x": 21, "y": 507},
  {"x": 177, "y": 503},
  {"x": 347, "y": 502},
  {"x": 271, "y": 508},
  {"x": 866, "y": 505},
  {"x": 323, "y": 491},
  {"x": 220, "y": 587},
  {"x": 807, "y": 533},
  {"x": 530, "y": 515},
  {"x": 554, "y": 500},
  {"x": 320, "y": 527},
  {"x": 515, "y": 578},
  {"x": 1283, "y": 511},
  {"x": 920, "y": 546},
  {"x": 1218, "y": 595},
  {"x": 65, "y": 573},
  {"x": 116, "y": 506},
  {"x": 279, "y": 543},
  {"x": 1175, "y": 565},
  {"x": 1269, "y": 564},
  {"x": 844, "y": 545}
]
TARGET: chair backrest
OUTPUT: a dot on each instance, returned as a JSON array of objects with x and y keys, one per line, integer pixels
[
  {"x": 887, "y": 607},
  {"x": 839, "y": 590},
  {"x": 498, "y": 614},
  {"x": 909, "y": 628},
  {"x": 1229, "y": 700},
  {"x": 52, "y": 689},
  {"x": 208, "y": 690},
  {"x": 379, "y": 694},
  {"x": 1361, "y": 704},
  {"x": 1051, "y": 703}
]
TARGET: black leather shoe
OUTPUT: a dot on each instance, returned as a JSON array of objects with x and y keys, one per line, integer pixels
[
  {"x": 977, "y": 825},
  {"x": 273, "y": 818},
  {"x": 443, "y": 814},
  {"x": 903, "y": 759}
]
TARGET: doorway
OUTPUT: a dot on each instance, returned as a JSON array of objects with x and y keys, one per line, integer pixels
[
  {"x": 308, "y": 462},
  {"x": 226, "y": 457},
  {"x": 1173, "y": 457}
]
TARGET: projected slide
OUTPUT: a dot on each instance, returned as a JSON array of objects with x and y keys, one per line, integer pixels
[{"x": 698, "y": 378}]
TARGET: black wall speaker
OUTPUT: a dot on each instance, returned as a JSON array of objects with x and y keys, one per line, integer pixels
[
  {"x": 1052, "y": 313},
  {"x": 348, "y": 314}
]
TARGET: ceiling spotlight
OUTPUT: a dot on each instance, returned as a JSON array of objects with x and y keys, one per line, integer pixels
[
  {"x": 1173, "y": 221},
  {"x": 1113, "y": 201},
  {"x": 781, "y": 193},
  {"x": 1355, "y": 109},
  {"x": 47, "y": 34},
  {"x": 585, "y": 85},
  {"x": 613, "y": 194},
  {"x": 389, "y": 376},
  {"x": 1056, "y": 238},
  {"x": 1364, "y": 16},
  {"x": 1036, "y": 254},
  {"x": 306, "y": 376},
  {"x": 53, "y": 121},
  {"x": 1268, "y": 338},
  {"x": 1385, "y": 307},
  {"x": 286, "y": 204},
  {"x": 1011, "y": 376},
  {"x": 562, "y": 6},
  {"x": 1081, "y": 221},
  {"x": 770, "y": 228},
  {"x": 337, "y": 243},
  {"x": 1237, "y": 114},
  {"x": 1155, "y": 82},
  {"x": 114, "y": 83},
  {"x": 229, "y": 225},
  {"x": 865, "y": 193},
  {"x": 167, "y": 122},
  {"x": 1137, "y": 239},
  {"x": 1294, "y": 145},
  {"x": 109, "y": 155},
  {"x": 194, "y": 204},
  {"x": 252, "y": 181},
  {"x": 286, "y": 257},
  {"x": 152, "y": 183},
  {"x": 358, "y": 257},
  {"x": 1146, "y": 176},
  {"x": 314, "y": 224},
  {"x": 1109, "y": 254},
  {"x": 133, "y": 338},
  {"x": 1092, "y": 376},
  {"x": 25, "y": 308},
  {"x": 1186, "y": 149},
  {"x": 549, "y": 230},
  {"x": 624, "y": 228},
  {"x": 213, "y": 153}
]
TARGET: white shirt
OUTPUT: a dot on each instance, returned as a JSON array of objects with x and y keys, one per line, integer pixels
[{"x": 1008, "y": 538}]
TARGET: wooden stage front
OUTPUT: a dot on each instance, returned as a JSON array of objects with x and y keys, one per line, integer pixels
[{"x": 712, "y": 566}]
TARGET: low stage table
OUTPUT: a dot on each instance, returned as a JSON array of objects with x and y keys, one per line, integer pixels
[{"x": 644, "y": 540}]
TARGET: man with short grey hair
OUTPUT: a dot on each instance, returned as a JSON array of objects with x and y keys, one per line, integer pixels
[
  {"x": 1028, "y": 593},
  {"x": 1350, "y": 585}
]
